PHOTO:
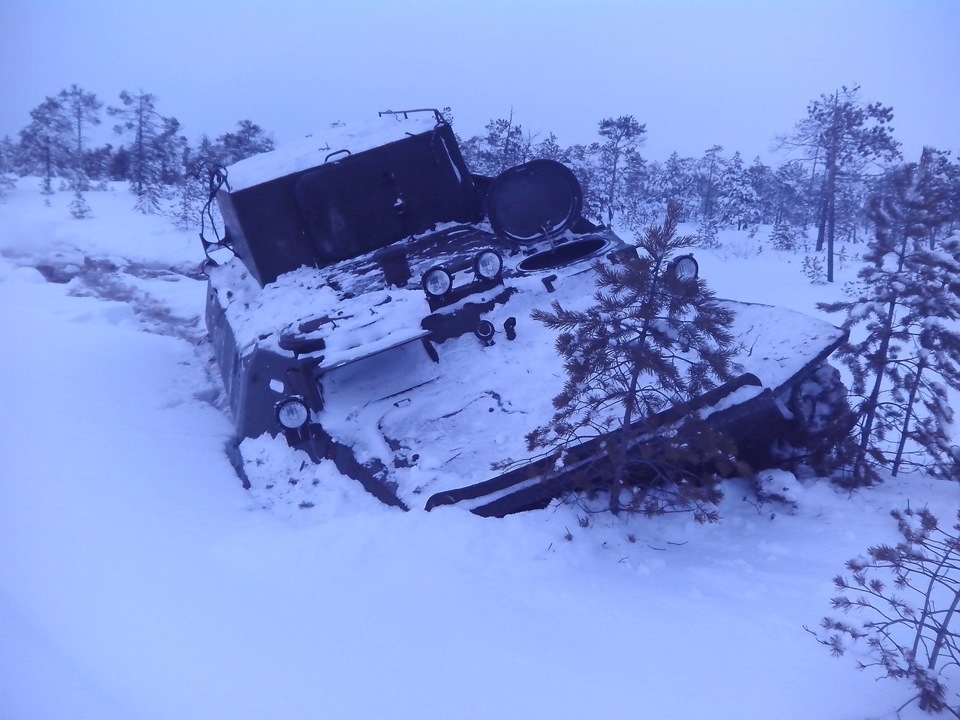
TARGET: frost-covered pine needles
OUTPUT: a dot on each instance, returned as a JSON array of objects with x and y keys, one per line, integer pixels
[{"x": 649, "y": 341}]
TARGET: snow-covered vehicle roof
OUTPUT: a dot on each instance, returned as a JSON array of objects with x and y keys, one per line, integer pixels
[{"x": 315, "y": 149}]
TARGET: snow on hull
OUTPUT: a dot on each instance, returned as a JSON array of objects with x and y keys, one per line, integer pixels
[{"x": 426, "y": 425}]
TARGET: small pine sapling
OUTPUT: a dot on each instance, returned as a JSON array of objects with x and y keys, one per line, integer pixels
[
  {"x": 78, "y": 205},
  {"x": 911, "y": 629},
  {"x": 785, "y": 237},
  {"x": 813, "y": 269},
  {"x": 708, "y": 234},
  {"x": 650, "y": 341}
]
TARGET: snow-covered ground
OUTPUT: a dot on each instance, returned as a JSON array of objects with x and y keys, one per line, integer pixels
[{"x": 139, "y": 580}]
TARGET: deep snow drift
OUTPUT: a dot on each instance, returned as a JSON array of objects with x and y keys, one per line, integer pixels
[{"x": 139, "y": 580}]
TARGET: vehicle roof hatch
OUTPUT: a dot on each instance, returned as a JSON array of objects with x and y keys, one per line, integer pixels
[{"x": 537, "y": 200}]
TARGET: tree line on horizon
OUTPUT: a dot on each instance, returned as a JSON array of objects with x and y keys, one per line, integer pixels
[
  {"x": 840, "y": 154},
  {"x": 165, "y": 172},
  {"x": 843, "y": 154}
]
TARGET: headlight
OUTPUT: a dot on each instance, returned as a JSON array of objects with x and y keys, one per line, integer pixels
[
  {"x": 437, "y": 282},
  {"x": 685, "y": 268},
  {"x": 292, "y": 413},
  {"x": 488, "y": 264}
]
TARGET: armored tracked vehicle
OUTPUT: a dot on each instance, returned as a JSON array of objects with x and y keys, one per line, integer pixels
[{"x": 376, "y": 313}]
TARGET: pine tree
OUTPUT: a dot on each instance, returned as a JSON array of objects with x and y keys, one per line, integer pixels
[
  {"x": 78, "y": 205},
  {"x": 709, "y": 170},
  {"x": 791, "y": 196},
  {"x": 503, "y": 146},
  {"x": 785, "y": 237},
  {"x": 118, "y": 167},
  {"x": 43, "y": 147},
  {"x": 168, "y": 148},
  {"x": 549, "y": 149},
  {"x": 83, "y": 109},
  {"x": 97, "y": 163},
  {"x": 206, "y": 156},
  {"x": 193, "y": 188},
  {"x": 939, "y": 182},
  {"x": 7, "y": 178},
  {"x": 582, "y": 160},
  {"x": 842, "y": 134},
  {"x": 908, "y": 296},
  {"x": 910, "y": 593},
  {"x": 678, "y": 183},
  {"x": 154, "y": 150},
  {"x": 645, "y": 196},
  {"x": 616, "y": 157},
  {"x": 650, "y": 341},
  {"x": 762, "y": 182},
  {"x": 739, "y": 202},
  {"x": 249, "y": 139},
  {"x": 727, "y": 196}
]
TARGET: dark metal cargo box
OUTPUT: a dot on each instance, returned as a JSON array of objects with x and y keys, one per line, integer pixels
[{"x": 351, "y": 204}]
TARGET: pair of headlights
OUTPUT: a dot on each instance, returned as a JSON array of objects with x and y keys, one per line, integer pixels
[{"x": 438, "y": 281}]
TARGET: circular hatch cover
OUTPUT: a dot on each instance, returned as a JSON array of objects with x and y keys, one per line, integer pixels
[{"x": 541, "y": 198}]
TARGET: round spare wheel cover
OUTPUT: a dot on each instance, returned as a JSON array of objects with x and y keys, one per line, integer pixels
[{"x": 538, "y": 198}]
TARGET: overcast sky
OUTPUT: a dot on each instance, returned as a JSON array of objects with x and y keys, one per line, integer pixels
[{"x": 697, "y": 73}]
